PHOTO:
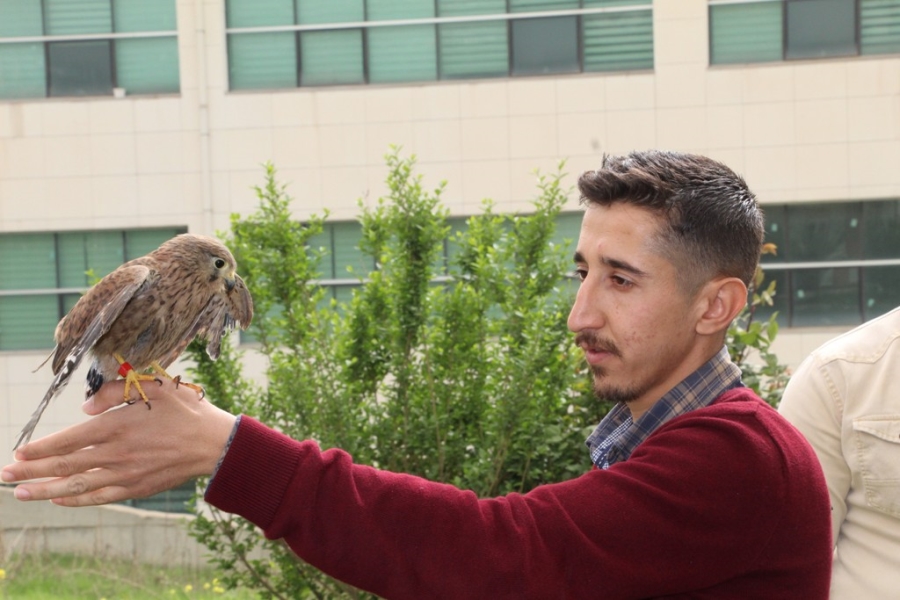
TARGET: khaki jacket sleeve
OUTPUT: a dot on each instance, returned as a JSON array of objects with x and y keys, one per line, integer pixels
[{"x": 813, "y": 404}]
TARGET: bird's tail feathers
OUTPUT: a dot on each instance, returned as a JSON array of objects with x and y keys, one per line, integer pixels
[
  {"x": 94, "y": 380},
  {"x": 58, "y": 384}
]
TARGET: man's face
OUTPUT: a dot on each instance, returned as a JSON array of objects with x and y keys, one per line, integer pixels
[{"x": 632, "y": 319}]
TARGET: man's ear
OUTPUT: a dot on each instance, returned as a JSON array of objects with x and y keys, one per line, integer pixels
[{"x": 721, "y": 301}]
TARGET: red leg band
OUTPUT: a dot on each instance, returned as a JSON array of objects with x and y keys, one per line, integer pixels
[{"x": 124, "y": 368}]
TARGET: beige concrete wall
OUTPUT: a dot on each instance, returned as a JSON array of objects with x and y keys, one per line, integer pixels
[
  {"x": 799, "y": 131},
  {"x": 108, "y": 531}
]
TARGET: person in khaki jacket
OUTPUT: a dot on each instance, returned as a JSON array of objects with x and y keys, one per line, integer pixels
[{"x": 845, "y": 398}]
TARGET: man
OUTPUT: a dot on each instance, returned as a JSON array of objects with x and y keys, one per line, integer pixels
[
  {"x": 700, "y": 489},
  {"x": 845, "y": 398}
]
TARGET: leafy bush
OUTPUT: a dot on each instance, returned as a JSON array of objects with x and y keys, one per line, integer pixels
[
  {"x": 749, "y": 342},
  {"x": 463, "y": 373}
]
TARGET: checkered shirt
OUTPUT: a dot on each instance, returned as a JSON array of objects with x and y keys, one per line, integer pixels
[{"x": 616, "y": 437}]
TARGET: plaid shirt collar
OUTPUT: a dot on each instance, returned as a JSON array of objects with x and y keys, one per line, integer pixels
[{"x": 616, "y": 437}]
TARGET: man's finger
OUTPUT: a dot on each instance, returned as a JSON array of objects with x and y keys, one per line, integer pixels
[
  {"x": 61, "y": 442},
  {"x": 53, "y": 466},
  {"x": 80, "y": 485},
  {"x": 95, "y": 498},
  {"x": 109, "y": 396}
]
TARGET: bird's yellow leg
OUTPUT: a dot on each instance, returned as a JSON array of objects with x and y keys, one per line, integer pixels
[
  {"x": 177, "y": 379},
  {"x": 133, "y": 378},
  {"x": 160, "y": 371}
]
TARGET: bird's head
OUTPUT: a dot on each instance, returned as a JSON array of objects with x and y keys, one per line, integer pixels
[
  {"x": 222, "y": 267},
  {"x": 207, "y": 256},
  {"x": 224, "y": 270}
]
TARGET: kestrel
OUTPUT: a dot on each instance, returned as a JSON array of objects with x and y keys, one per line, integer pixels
[{"x": 143, "y": 315}]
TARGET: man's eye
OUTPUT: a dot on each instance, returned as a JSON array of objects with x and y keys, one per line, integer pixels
[
  {"x": 620, "y": 281},
  {"x": 580, "y": 274}
]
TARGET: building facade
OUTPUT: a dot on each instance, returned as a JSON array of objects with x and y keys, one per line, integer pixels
[{"x": 123, "y": 122}]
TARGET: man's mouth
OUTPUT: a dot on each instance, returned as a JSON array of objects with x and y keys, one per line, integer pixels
[{"x": 596, "y": 350}]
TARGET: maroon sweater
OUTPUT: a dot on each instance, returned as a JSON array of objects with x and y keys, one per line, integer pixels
[{"x": 727, "y": 501}]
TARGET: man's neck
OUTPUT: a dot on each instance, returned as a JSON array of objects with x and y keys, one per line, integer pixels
[{"x": 637, "y": 411}]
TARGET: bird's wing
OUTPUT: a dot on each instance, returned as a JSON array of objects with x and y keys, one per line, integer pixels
[
  {"x": 80, "y": 329},
  {"x": 96, "y": 311},
  {"x": 222, "y": 313}
]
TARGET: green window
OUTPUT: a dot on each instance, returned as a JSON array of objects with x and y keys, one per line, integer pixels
[
  {"x": 406, "y": 53},
  {"x": 331, "y": 57},
  {"x": 838, "y": 263},
  {"x": 617, "y": 40},
  {"x": 259, "y": 13},
  {"x": 139, "y": 55},
  {"x": 544, "y": 45},
  {"x": 742, "y": 33},
  {"x": 881, "y": 224},
  {"x": 770, "y": 30},
  {"x": 80, "y": 68},
  {"x": 880, "y": 290},
  {"x": 825, "y": 297},
  {"x": 262, "y": 60},
  {"x": 22, "y": 70},
  {"x": 343, "y": 266},
  {"x": 42, "y": 275},
  {"x": 879, "y": 26},
  {"x": 277, "y": 43},
  {"x": 820, "y": 28},
  {"x": 473, "y": 49},
  {"x": 820, "y": 231}
]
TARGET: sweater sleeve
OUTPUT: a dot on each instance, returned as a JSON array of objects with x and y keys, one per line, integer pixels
[{"x": 699, "y": 503}]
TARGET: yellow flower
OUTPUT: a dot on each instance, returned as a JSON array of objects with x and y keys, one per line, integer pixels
[
  {"x": 2, "y": 574},
  {"x": 188, "y": 588},
  {"x": 219, "y": 590},
  {"x": 206, "y": 586}
]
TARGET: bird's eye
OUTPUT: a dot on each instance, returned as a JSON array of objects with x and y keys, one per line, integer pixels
[{"x": 219, "y": 263}]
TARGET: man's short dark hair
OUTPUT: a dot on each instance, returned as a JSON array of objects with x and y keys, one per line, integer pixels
[{"x": 713, "y": 225}]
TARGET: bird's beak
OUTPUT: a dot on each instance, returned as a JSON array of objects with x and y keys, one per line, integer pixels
[{"x": 229, "y": 284}]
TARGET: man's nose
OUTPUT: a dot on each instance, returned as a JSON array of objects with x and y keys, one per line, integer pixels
[{"x": 587, "y": 310}]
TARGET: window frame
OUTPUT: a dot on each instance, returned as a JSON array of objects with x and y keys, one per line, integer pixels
[
  {"x": 46, "y": 40},
  {"x": 436, "y": 21},
  {"x": 338, "y": 282},
  {"x": 785, "y": 38},
  {"x": 131, "y": 246},
  {"x": 788, "y": 269},
  {"x": 857, "y": 26}
]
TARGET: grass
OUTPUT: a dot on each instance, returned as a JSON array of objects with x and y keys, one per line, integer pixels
[{"x": 71, "y": 577}]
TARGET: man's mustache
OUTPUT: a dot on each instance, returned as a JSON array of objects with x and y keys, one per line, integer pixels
[{"x": 591, "y": 340}]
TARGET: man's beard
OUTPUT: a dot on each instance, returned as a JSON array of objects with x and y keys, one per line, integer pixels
[
  {"x": 602, "y": 390},
  {"x": 611, "y": 393}
]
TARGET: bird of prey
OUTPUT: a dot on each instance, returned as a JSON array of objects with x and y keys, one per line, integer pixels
[{"x": 141, "y": 317}]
